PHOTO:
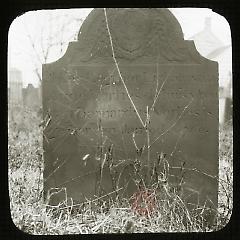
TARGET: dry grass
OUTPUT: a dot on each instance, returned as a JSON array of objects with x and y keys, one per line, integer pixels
[
  {"x": 225, "y": 173},
  {"x": 32, "y": 215}
]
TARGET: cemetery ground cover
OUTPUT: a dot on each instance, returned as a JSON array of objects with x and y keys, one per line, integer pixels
[{"x": 32, "y": 215}]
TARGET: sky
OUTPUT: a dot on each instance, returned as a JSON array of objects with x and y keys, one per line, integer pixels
[{"x": 35, "y": 25}]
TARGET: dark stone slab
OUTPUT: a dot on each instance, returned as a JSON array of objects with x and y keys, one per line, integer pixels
[
  {"x": 94, "y": 135},
  {"x": 228, "y": 110}
]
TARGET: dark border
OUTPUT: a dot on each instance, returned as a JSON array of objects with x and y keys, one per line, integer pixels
[{"x": 14, "y": 8}]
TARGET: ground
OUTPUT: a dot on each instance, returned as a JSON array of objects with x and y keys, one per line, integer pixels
[{"x": 168, "y": 214}]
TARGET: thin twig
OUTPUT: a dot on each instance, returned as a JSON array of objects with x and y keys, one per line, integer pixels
[
  {"x": 54, "y": 171},
  {"x": 88, "y": 201},
  {"x": 179, "y": 117},
  {"x": 175, "y": 147},
  {"x": 147, "y": 123},
  {"x": 133, "y": 138},
  {"x": 157, "y": 95},
  {"x": 156, "y": 92},
  {"x": 195, "y": 170},
  {"x": 119, "y": 72}
]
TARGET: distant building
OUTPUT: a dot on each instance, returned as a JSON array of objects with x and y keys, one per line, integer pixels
[
  {"x": 205, "y": 41},
  {"x": 209, "y": 46},
  {"x": 18, "y": 96},
  {"x": 225, "y": 102},
  {"x": 15, "y": 97}
]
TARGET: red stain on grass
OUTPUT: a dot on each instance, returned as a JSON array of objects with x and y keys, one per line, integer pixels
[{"x": 143, "y": 202}]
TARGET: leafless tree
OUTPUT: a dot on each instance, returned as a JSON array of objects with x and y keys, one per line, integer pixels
[{"x": 51, "y": 40}]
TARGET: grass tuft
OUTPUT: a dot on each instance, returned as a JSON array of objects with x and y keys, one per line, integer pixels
[{"x": 167, "y": 214}]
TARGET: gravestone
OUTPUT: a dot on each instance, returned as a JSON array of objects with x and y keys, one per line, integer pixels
[
  {"x": 31, "y": 97},
  {"x": 93, "y": 134}
]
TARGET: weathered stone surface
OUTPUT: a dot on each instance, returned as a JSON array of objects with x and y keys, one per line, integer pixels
[{"x": 94, "y": 124}]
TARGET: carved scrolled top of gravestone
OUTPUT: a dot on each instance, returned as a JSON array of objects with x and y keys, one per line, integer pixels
[{"x": 94, "y": 137}]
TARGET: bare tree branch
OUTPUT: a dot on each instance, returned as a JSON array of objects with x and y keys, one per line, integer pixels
[{"x": 53, "y": 38}]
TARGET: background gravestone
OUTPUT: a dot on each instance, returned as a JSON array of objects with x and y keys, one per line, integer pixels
[
  {"x": 93, "y": 125},
  {"x": 31, "y": 97}
]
